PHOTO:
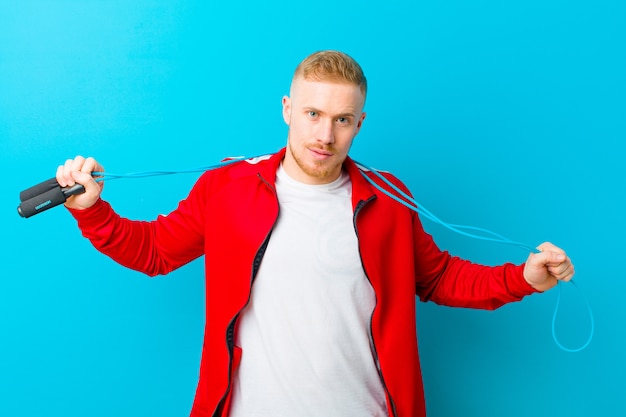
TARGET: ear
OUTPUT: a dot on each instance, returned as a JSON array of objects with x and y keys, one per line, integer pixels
[
  {"x": 287, "y": 109},
  {"x": 359, "y": 123}
]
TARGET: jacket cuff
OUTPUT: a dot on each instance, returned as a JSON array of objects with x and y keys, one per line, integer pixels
[
  {"x": 92, "y": 216},
  {"x": 518, "y": 285}
]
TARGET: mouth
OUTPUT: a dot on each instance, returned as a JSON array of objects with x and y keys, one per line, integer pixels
[{"x": 320, "y": 154}]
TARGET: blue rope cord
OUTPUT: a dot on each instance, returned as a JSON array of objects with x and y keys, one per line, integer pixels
[
  {"x": 407, "y": 201},
  {"x": 487, "y": 235}
]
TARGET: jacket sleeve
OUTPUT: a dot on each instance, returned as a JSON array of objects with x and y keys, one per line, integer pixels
[
  {"x": 452, "y": 281},
  {"x": 152, "y": 247}
]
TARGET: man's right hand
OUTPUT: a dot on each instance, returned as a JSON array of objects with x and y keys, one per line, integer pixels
[{"x": 78, "y": 171}]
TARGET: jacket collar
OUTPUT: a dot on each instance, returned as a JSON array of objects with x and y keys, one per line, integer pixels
[
  {"x": 268, "y": 170},
  {"x": 361, "y": 189}
]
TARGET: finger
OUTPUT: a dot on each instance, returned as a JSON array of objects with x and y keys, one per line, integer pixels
[
  {"x": 74, "y": 165},
  {"x": 77, "y": 163},
  {"x": 564, "y": 272},
  {"x": 64, "y": 173},
  {"x": 551, "y": 258},
  {"x": 549, "y": 247},
  {"x": 85, "y": 175},
  {"x": 60, "y": 177},
  {"x": 90, "y": 165},
  {"x": 83, "y": 178}
]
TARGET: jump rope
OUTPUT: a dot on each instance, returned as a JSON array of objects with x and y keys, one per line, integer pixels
[{"x": 49, "y": 194}]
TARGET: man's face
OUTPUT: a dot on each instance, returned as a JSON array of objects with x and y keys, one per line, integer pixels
[{"x": 323, "y": 118}]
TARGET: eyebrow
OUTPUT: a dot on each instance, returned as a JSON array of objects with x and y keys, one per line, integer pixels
[{"x": 344, "y": 115}]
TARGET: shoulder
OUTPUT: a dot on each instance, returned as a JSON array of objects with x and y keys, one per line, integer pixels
[
  {"x": 236, "y": 169},
  {"x": 377, "y": 178}
]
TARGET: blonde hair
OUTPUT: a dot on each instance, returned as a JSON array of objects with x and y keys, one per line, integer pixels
[{"x": 332, "y": 66}]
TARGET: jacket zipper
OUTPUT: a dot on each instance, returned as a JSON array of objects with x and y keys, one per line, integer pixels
[
  {"x": 230, "y": 331},
  {"x": 357, "y": 210}
]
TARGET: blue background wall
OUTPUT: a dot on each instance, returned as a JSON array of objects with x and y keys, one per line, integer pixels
[{"x": 505, "y": 115}]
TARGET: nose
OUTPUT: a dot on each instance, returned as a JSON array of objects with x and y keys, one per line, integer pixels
[{"x": 325, "y": 132}]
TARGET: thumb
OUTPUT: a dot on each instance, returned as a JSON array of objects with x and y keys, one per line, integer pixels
[
  {"x": 551, "y": 257},
  {"x": 82, "y": 178},
  {"x": 91, "y": 194}
]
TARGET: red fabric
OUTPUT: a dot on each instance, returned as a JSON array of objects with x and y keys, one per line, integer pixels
[{"x": 229, "y": 214}]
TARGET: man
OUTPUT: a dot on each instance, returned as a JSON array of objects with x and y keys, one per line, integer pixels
[{"x": 311, "y": 272}]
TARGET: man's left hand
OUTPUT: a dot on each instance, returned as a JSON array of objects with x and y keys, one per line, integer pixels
[{"x": 545, "y": 269}]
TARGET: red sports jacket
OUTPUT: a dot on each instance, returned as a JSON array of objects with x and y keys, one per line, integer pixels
[{"x": 228, "y": 217}]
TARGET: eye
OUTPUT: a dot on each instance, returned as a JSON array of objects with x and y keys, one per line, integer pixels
[
  {"x": 312, "y": 114},
  {"x": 343, "y": 120}
]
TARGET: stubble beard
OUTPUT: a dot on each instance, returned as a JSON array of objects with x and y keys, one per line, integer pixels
[{"x": 317, "y": 169}]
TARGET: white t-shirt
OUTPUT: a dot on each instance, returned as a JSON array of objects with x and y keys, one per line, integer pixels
[{"x": 305, "y": 333}]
